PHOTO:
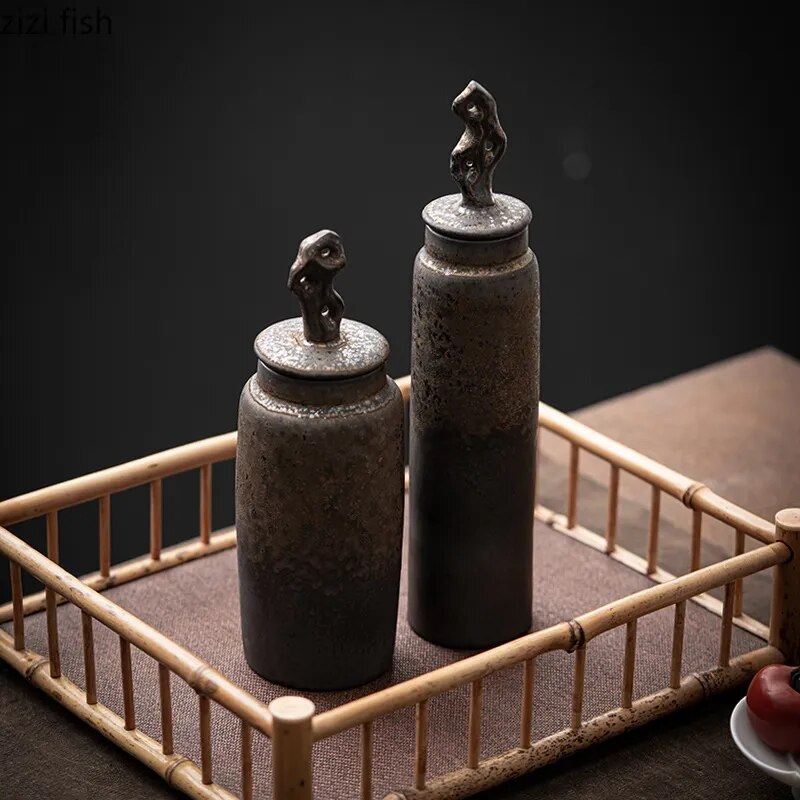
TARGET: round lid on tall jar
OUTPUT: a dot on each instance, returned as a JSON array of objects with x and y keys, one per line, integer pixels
[{"x": 477, "y": 225}]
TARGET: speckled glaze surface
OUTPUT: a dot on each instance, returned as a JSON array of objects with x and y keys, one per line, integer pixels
[
  {"x": 450, "y": 216},
  {"x": 358, "y": 349},
  {"x": 319, "y": 523},
  {"x": 474, "y": 412}
]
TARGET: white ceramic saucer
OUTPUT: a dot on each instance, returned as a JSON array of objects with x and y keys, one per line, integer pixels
[{"x": 784, "y": 767}]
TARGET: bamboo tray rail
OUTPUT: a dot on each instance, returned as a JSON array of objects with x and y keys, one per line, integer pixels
[{"x": 290, "y": 722}]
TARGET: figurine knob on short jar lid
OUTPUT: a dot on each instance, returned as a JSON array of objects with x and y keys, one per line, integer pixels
[
  {"x": 474, "y": 400},
  {"x": 319, "y": 490}
]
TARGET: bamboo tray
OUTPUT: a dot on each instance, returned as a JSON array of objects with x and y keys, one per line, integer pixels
[{"x": 290, "y": 744}]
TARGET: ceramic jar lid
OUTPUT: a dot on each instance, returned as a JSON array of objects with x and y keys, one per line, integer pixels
[
  {"x": 320, "y": 345},
  {"x": 477, "y": 213},
  {"x": 359, "y": 349}
]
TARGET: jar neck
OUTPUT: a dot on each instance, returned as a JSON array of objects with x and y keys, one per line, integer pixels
[
  {"x": 320, "y": 391},
  {"x": 476, "y": 252}
]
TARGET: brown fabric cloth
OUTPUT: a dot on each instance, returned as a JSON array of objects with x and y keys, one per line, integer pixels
[
  {"x": 177, "y": 600},
  {"x": 734, "y": 426}
]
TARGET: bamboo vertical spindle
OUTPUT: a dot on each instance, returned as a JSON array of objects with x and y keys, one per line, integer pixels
[
  {"x": 89, "y": 672},
  {"x": 52, "y": 536},
  {"x": 474, "y": 724},
  {"x": 205, "y": 503},
  {"x": 291, "y": 748},
  {"x": 50, "y": 599},
  {"x": 727, "y": 627},
  {"x": 156, "y": 517},
  {"x": 527, "y": 703},
  {"x": 572, "y": 491},
  {"x": 16, "y": 602},
  {"x": 205, "y": 738},
  {"x": 738, "y": 592},
  {"x": 576, "y": 719},
  {"x": 104, "y": 534},
  {"x": 677, "y": 645},
  {"x": 247, "y": 761},
  {"x": 165, "y": 697},
  {"x": 536, "y": 470},
  {"x": 421, "y": 747},
  {"x": 52, "y": 634},
  {"x": 697, "y": 532},
  {"x": 127, "y": 684},
  {"x": 652, "y": 538},
  {"x": 784, "y": 626},
  {"x": 613, "y": 507},
  {"x": 630, "y": 664},
  {"x": 366, "y": 761}
]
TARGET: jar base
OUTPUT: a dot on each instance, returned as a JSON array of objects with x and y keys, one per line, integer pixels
[
  {"x": 327, "y": 683},
  {"x": 454, "y": 641}
]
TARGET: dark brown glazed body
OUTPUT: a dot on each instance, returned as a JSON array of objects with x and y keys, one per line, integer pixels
[
  {"x": 319, "y": 517},
  {"x": 474, "y": 412}
]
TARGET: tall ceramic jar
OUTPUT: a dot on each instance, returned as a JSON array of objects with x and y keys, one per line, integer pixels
[
  {"x": 474, "y": 401},
  {"x": 319, "y": 490}
]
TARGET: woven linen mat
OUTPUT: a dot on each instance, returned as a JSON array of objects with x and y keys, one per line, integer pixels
[{"x": 196, "y": 604}]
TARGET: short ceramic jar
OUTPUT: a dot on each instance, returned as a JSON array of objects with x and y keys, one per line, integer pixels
[{"x": 319, "y": 491}]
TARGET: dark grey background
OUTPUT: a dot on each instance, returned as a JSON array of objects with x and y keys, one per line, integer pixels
[{"x": 156, "y": 182}]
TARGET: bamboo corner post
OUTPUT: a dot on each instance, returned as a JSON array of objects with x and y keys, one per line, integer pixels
[
  {"x": 291, "y": 747},
  {"x": 785, "y": 620}
]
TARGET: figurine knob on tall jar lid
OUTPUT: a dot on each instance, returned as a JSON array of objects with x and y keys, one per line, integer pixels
[
  {"x": 319, "y": 490},
  {"x": 474, "y": 401}
]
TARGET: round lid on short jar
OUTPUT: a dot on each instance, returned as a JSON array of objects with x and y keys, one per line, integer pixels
[
  {"x": 358, "y": 349},
  {"x": 320, "y": 345}
]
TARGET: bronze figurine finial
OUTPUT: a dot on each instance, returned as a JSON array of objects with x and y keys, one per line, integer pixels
[
  {"x": 481, "y": 146},
  {"x": 319, "y": 257}
]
